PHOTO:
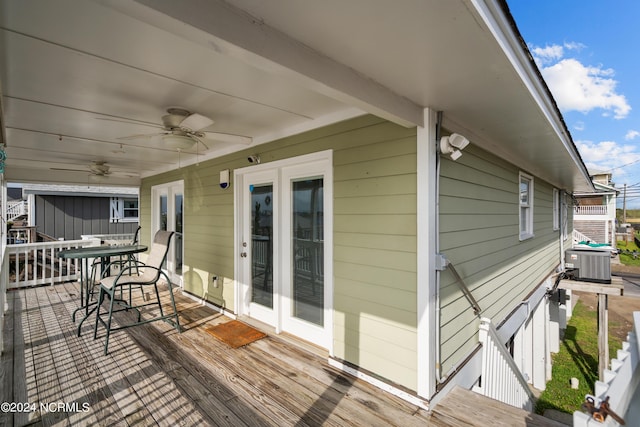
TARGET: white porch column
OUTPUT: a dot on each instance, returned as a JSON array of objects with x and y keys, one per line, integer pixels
[
  {"x": 426, "y": 252},
  {"x": 539, "y": 348}
]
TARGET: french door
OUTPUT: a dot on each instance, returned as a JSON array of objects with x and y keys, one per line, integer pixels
[
  {"x": 168, "y": 207},
  {"x": 284, "y": 241}
]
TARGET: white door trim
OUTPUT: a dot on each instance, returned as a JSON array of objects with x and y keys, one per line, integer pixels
[
  {"x": 316, "y": 164},
  {"x": 168, "y": 189}
]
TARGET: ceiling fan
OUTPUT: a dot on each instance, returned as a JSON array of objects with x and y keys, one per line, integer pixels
[
  {"x": 182, "y": 129},
  {"x": 97, "y": 168}
]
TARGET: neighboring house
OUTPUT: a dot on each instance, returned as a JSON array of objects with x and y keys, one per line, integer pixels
[
  {"x": 594, "y": 214},
  {"x": 68, "y": 212},
  {"x": 361, "y": 229}
]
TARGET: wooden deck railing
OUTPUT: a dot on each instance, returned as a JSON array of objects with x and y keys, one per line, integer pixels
[
  {"x": 32, "y": 264},
  {"x": 501, "y": 378}
]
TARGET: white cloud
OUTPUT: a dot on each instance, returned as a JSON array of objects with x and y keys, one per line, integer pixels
[
  {"x": 554, "y": 52},
  {"x": 581, "y": 88},
  {"x": 610, "y": 156},
  {"x": 578, "y": 87},
  {"x": 548, "y": 53},
  {"x": 574, "y": 46},
  {"x": 579, "y": 126},
  {"x": 632, "y": 134}
]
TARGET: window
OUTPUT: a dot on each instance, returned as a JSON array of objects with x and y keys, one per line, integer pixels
[
  {"x": 564, "y": 212},
  {"x": 124, "y": 209},
  {"x": 556, "y": 209},
  {"x": 526, "y": 206}
]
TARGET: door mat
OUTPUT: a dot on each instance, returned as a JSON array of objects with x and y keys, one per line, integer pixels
[{"x": 235, "y": 334}]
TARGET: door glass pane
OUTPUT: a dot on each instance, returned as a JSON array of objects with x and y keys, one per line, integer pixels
[
  {"x": 308, "y": 250},
  {"x": 163, "y": 212},
  {"x": 262, "y": 244},
  {"x": 178, "y": 236}
]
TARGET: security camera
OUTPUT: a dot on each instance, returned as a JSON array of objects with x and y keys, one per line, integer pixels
[{"x": 254, "y": 159}]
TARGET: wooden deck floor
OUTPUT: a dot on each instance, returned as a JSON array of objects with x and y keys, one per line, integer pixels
[
  {"x": 464, "y": 408},
  {"x": 155, "y": 376}
]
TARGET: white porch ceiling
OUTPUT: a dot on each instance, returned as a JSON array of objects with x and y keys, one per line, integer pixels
[{"x": 73, "y": 70}]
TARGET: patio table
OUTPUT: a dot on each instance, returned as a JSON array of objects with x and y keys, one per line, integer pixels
[{"x": 104, "y": 253}]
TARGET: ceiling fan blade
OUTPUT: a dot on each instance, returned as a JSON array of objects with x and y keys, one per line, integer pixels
[
  {"x": 70, "y": 170},
  {"x": 142, "y": 135},
  {"x": 227, "y": 137},
  {"x": 200, "y": 141},
  {"x": 124, "y": 174},
  {"x": 195, "y": 122},
  {"x": 131, "y": 122}
]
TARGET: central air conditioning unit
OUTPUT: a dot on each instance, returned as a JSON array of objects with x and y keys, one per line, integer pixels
[{"x": 589, "y": 265}]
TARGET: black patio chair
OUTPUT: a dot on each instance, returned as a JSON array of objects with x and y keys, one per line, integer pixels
[
  {"x": 118, "y": 262},
  {"x": 151, "y": 273}
]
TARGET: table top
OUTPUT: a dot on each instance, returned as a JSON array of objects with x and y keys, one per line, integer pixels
[{"x": 101, "y": 251}]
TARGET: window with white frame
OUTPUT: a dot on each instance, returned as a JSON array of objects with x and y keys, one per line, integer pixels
[
  {"x": 124, "y": 209},
  {"x": 556, "y": 209},
  {"x": 526, "y": 206},
  {"x": 565, "y": 202}
]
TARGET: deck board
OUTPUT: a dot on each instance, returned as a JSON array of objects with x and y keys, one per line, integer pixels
[
  {"x": 155, "y": 376},
  {"x": 464, "y": 408},
  {"x": 7, "y": 365},
  {"x": 65, "y": 368},
  {"x": 106, "y": 393}
]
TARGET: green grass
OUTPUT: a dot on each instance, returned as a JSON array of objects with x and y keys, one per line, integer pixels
[
  {"x": 577, "y": 358},
  {"x": 626, "y": 253}
]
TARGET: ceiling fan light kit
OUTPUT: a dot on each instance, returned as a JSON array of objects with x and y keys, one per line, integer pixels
[
  {"x": 177, "y": 141},
  {"x": 99, "y": 168}
]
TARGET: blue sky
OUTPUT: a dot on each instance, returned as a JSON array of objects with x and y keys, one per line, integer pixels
[{"x": 589, "y": 54}]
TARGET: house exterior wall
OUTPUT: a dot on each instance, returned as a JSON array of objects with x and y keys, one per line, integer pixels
[
  {"x": 374, "y": 236},
  {"x": 479, "y": 235},
  {"x": 375, "y": 263},
  {"x": 70, "y": 217}
]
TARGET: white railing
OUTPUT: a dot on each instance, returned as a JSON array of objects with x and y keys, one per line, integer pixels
[
  {"x": 591, "y": 210},
  {"x": 501, "y": 379},
  {"x": 579, "y": 237},
  {"x": 32, "y": 264},
  {"x": 15, "y": 209},
  {"x": 114, "y": 239},
  {"x": 620, "y": 383},
  {"x": 4, "y": 277},
  {"x": 309, "y": 258}
]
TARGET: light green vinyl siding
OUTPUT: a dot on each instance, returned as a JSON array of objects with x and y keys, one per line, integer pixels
[
  {"x": 374, "y": 236},
  {"x": 479, "y": 234}
]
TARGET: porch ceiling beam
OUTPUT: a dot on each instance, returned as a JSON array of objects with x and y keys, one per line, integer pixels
[{"x": 231, "y": 31}]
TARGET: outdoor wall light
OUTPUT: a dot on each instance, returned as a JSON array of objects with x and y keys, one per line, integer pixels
[
  {"x": 453, "y": 145},
  {"x": 255, "y": 159}
]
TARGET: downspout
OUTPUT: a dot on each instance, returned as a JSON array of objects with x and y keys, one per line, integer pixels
[
  {"x": 437, "y": 249},
  {"x": 562, "y": 227}
]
